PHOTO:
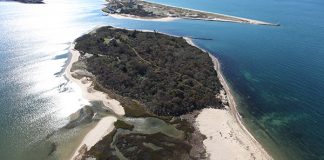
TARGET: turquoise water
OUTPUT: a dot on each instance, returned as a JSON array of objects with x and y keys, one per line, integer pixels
[{"x": 277, "y": 72}]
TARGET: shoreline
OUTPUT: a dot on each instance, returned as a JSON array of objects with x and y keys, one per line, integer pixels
[
  {"x": 86, "y": 86},
  {"x": 106, "y": 124},
  {"x": 248, "y": 21},
  {"x": 169, "y": 18},
  {"x": 91, "y": 138},
  {"x": 208, "y": 114},
  {"x": 229, "y": 117},
  {"x": 124, "y": 16}
]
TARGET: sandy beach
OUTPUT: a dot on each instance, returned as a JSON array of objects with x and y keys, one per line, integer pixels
[
  {"x": 228, "y": 129},
  {"x": 227, "y": 137},
  {"x": 106, "y": 124},
  {"x": 247, "y": 20},
  {"x": 103, "y": 127},
  {"x": 87, "y": 89},
  {"x": 124, "y": 16},
  {"x": 168, "y": 19}
]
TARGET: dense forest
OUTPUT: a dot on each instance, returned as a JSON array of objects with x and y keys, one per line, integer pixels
[{"x": 165, "y": 73}]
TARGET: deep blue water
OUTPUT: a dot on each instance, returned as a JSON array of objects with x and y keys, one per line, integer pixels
[{"x": 276, "y": 72}]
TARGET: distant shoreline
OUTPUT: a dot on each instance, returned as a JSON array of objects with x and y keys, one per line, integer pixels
[
  {"x": 123, "y": 16},
  {"x": 251, "y": 21},
  {"x": 211, "y": 16}
]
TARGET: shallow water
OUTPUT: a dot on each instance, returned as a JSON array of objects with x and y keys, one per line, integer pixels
[
  {"x": 152, "y": 125},
  {"x": 277, "y": 72}
]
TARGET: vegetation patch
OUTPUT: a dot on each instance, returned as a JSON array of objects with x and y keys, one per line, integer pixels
[
  {"x": 123, "y": 125},
  {"x": 151, "y": 75},
  {"x": 164, "y": 73}
]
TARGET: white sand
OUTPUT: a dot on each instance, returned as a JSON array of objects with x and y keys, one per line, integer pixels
[
  {"x": 87, "y": 90},
  {"x": 126, "y": 16},
  {"x": 167, "y": 19},
  {"x": 103, "y": 127},
  {"x": 247, "y": 20},
  {"x": 227, "y": 137},
  {"x": 106, "y": 124}
]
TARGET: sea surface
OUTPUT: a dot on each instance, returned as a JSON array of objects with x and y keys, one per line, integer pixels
[{"x": 277, "y": 73}]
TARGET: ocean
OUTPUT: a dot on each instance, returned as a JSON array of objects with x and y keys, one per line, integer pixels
[{"x": 277, "y": 73}]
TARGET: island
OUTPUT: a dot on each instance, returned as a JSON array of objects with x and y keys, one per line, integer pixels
[
  {"x": 140, "y": 9},
  {"x": 164, "y": 98}
]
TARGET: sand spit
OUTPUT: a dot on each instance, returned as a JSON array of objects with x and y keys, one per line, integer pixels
[
  {"x": 103, "y": 128},
  {"x": 170, "y": 19},
  {"x": 169, "y": 13},
  {"x": 126, "y": 16},
  {"x": 239, "y": 19},
  {"x": 106, "y": 124}
]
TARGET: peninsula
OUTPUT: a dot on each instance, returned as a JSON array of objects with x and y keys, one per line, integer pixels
[
  {"x": 163, "y": 97},
  {"x": 152, "y": 11}
]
